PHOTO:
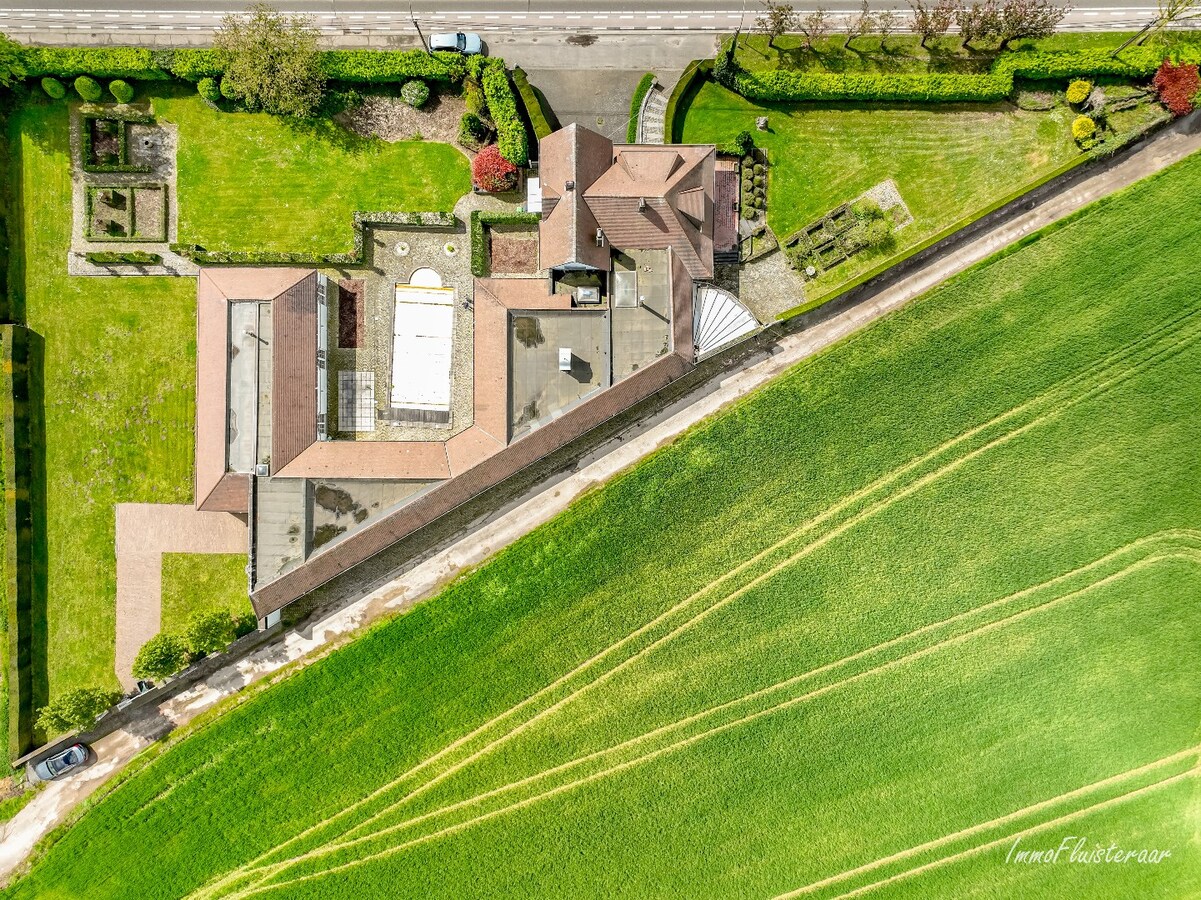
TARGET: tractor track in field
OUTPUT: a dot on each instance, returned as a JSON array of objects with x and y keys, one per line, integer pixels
[
  {"x": 1097, "y": 378},
  {"x": 1007, "y": 819},
  {"x": 1146, "y": 552}
]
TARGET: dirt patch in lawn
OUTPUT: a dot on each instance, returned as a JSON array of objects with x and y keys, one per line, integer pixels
[
  {"x": 391, "y": 119},
  {"x": 514, "y": 253}
]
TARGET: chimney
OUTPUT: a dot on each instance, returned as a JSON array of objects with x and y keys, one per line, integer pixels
[
  {"x": 641, "y": 204},
  {"x": 570, "y": 186}
]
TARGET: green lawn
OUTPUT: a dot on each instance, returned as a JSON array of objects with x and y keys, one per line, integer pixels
[
  {"x": 203, "y": 582},
  {"x": 948, "y": 161},
  {"x": 931, "y": 589},
  {"x": 258, "y": 182},
  {"x": 119, "y": 400}
]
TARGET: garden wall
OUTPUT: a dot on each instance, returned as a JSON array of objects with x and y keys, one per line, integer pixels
[{"x": 24, "y": 536}]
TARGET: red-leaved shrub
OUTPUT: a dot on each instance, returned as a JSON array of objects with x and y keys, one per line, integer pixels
[
  {"x": 1177, "y": 86},
  {"x": 492, "y": 172}
]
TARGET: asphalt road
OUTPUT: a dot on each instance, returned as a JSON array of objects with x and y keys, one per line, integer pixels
[{"x": 390, "y": 17}]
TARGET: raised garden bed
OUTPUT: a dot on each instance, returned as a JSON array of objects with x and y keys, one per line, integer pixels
[
  {"x": 104, "y": 140},
  {"x": 513, "y": 250},
  {"x": 126, "y": 213}
]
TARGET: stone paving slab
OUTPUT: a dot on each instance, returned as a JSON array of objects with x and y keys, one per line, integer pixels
[{"x": 145, "y": 531}]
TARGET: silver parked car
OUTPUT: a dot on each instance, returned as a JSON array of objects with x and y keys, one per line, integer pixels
[
  {"x": 61, "y": 763},
  {"x": 468, "y": 43}
]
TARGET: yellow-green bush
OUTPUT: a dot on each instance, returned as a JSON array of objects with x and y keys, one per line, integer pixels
[
  {"x": 1083, "y": 128},
  {"x": 1079, "y": 90}
]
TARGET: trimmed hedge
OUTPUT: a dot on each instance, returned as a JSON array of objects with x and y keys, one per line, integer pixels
[
  {"x": 132, "y": 258},
  {"x": 120, "y": 90},
  {"x": 695, "y": 69},
  {"x": 533, "y": 106},
  {"x": 123, "y": 118},
  {"x": 209, "y": 90},
  {"x": 22, "y": 464},
  {"x": 193, "y": 64},
  {"x": 390, "y": 65},
  {"x": 511, "y": 136},
  {"x": 356, "y": 257},
  {"x": 640, "y": 92},
  {"x": 997, "y": 84},
  {"x": 99, "y": 62},
  {"x": 480, "y": 257},
  {"x": 88, "y": 88}
]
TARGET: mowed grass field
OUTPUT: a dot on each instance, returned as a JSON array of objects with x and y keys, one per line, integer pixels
[
  {"x": 930, "y": 592},
  {"x": 948, "y": 161},
  {"x": 251, "y": 181}
]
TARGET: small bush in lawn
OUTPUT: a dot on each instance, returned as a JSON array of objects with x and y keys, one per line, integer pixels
[
  {"x": 75, "y": 710},
  {"x": 492, "y": 172},
  {"x": 160, "y": 657},
  {"x": 1083, "y": 128},
  {"x": 208, "y": 632},
  {"x": 121, "y": 90},
  {"x": 415, "y": 93},
  {"x": 744, "y": 142},
  {"x": 473, "y": 97},
  {"x": 1078, "y": 91},
  {"x": 229, "y": 89},
  {"x": 88, "y": 88},
  {"x": 208, "y": 89},
  {"x": 866, "y": 210},
  {"x": 54, "y": 88},
  {"x": 1177, "y": 87}
]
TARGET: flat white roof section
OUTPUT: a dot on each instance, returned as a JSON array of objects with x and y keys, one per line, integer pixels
[
  {"x": 356, "y": 401},
  {"x": 421, "y": 348},
  {"x": 533, "y": 195}
]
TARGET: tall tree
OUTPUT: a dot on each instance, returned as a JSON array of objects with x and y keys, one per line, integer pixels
[
  {"x": 859, "y": 24},
  {"x": 1028, "y": 19},
  {"x": 978, "y": 21},
  {"x": 887, "y": 21},
  {"x": 932, "y": 20},
  {"x": 1169, "y": 13},
  {"x": 270, "y": 62},
  {"x": 776, "y": 19},
  {"x": 814, "y": 26}
]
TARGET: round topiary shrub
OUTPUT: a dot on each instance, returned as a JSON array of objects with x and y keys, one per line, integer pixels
[
  {"x": 758, "y": 170},
  {"x": 492, "y": 172},
  {"x": 1083, "y": 128},
  {"x": 760, "y": 181},
  {"x": 54, "y": 88},
  {"x": 208, "y": 89},
  {"x": 415, "y": 93},
  {"x": 1078, "y": 91},
  {"x": 229, "y": 90},
  {"x": 120, "y": 90},
  {"x": 88, "y": 88}
]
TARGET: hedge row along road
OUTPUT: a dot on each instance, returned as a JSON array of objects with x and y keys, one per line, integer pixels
[{"x": 931, "y": 591}]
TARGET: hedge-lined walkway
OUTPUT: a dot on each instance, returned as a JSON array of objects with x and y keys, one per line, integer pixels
[{"x": 145, "y": 531}]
